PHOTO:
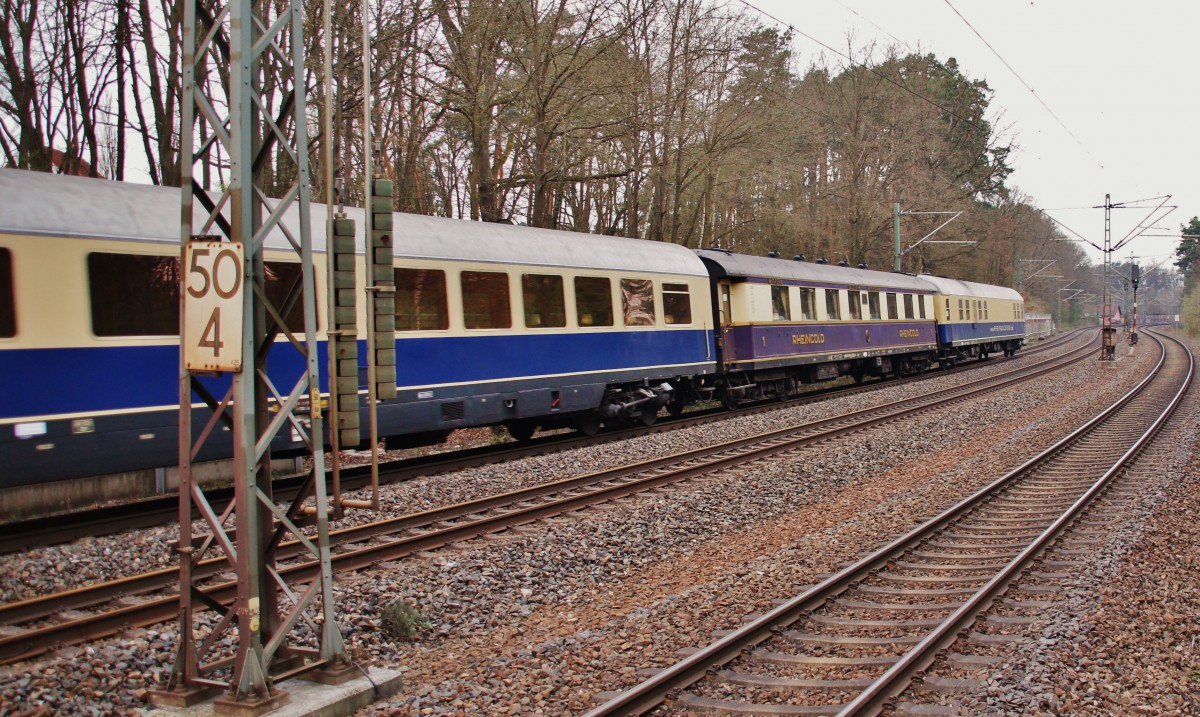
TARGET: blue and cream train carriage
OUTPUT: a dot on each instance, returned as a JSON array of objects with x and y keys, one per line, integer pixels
[
  {"x": 976, "y": 320},
  {"x": 498, "y": 324},
  {"x": 495, "y": 325}
]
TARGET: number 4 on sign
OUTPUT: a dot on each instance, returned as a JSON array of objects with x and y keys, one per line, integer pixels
[
  {"x": 212, "y": 305},
  {"x": 211, "y": 339}
]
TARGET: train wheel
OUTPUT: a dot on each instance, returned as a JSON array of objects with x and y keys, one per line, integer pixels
[
  {"x": 588, "y": 424},
  {"x": 728, "y": 400},
  {"x": 649, "y": 416},
  {"x": 521, "y": 431}
]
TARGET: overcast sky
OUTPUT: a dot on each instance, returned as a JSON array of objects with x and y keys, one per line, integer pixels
[{"x": 1123, "y": 77}]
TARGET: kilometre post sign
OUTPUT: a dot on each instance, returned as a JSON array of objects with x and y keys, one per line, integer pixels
[{"x": 212, "y": 305}]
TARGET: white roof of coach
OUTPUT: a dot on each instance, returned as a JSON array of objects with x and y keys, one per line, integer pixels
[
  {"x": 777, "y": 268},
  {"x": 422, "y": 237},
  {"x": 60, "y": 205},
  {"x": 956, "y": 287}
]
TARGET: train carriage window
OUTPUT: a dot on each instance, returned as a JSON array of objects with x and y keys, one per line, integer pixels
[
  {"x": 855, "y": 306},
  {"x": 281, "y": 276},
  {"x": 485, "y": 300},
  {"x": 986, "y": 313},
  {"x": 8, "y": 302},
  {"x": 893, "y": 312},
  {"x": 677, "y": 304},
  {"x": 421, "y": 300},
  {"x": 873, "y": 305},
  {"x": 921, "y": 306},
  {"x": 593, "y": 301},
  {"x": 545, "y": 307},
  {"x": 908, "y": 306},
  {"x": 781, "y": 305},
  {"x": 833, "y": 307},
  {"x": 948, "y": 309},
  {"x": 808, "y": 304},
  {"x": 960, "y": 309},
  {"x": 133, "y": 294},
  {"x": 637, "y": 301}
]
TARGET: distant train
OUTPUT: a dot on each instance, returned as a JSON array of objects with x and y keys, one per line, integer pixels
[{"x": 495, "y": 325}]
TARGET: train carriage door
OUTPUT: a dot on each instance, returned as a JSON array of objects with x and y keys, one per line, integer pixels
[
  {"x": 726, "y": 312},
  {"x": 724, "y": 319}
]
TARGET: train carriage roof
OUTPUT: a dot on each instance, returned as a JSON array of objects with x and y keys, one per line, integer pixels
[
  {"x": 738, "y": 266},
  {"x": 40, "y": 203},
  {"x": 423, "y": 237},
  {"x": 956, "y": 287}
]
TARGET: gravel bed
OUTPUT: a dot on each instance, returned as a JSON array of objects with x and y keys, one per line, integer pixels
[{"x": 538, "y": 621}]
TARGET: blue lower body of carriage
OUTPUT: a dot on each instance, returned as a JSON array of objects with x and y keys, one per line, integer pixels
[
  {"x": 759, "y": 346},
  {"x": 481, "y": 380},
  {"x": 965, "y": 334},
  {"x": 93, "y": 411}
]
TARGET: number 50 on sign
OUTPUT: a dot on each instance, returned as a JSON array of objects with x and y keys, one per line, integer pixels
[{"x": 212, "y": 306}]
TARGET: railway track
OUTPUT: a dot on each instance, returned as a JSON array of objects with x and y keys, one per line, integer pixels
[
  {"x": 32, "y": 627},
  {"x": 854, "y": 642},
  {"x": 25, "y": 534}
]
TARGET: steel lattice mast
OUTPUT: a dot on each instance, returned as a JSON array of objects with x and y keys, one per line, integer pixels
[{"x": 246, "y": 57}]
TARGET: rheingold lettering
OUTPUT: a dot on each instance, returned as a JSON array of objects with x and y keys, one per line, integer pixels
[{"x": 802, "y": 339}]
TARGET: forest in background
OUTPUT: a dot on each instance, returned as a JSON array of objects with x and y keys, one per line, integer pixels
[{"x": 669, "y": 120}]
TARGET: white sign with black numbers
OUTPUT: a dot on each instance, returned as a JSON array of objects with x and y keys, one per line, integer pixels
[{"x": 212, "y": 306}]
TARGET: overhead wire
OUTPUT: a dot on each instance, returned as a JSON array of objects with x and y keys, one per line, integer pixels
[
  {"x": 792, "y": 28},
  {"x": 872, "y": 23},
  {"x": 1020, "y": 79},
  {"x": 863, "y": 66}
]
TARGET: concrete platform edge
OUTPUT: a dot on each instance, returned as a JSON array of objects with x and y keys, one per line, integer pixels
[{"x": 310, "y": 699}]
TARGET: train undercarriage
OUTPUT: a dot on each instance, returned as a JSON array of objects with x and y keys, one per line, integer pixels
[
  {"x": 953, "y": 356},
  {"x": 741, "y": 386},
  {"x": 630, "y": 404}
]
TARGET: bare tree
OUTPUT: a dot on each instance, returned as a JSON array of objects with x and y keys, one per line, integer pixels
[{"x": 26, "y": 74}]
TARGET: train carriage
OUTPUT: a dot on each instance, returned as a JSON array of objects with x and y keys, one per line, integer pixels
[
  {"x": 533, "y": 327},
  {"x": 976, "y": 320},
  {"x": 89, "y": 357},
  {"x": 495, "y": 325},
  {"x": 785, "y": 322}
]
